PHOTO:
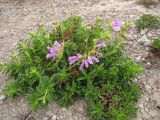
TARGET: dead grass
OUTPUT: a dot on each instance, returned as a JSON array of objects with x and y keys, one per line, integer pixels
[{"x": 148, "y": 3}]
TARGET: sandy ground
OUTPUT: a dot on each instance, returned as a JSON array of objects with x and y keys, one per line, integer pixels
[{"x": 18, "y": 17}]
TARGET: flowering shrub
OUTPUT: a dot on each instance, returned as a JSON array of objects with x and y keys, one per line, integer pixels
[{"x": 77, "y": 61}]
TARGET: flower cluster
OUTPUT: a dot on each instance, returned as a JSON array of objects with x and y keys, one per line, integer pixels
[
  {"x": 74, "y": 59},
  {"x": 86, "y": 60},
  {"x": 117, "y": 25},
  {"x": 54, "y": 51},
  {"x": 90, "y": 59},
  {"x": 57, "y": 48},
  {"x": 100, "y": 44}
]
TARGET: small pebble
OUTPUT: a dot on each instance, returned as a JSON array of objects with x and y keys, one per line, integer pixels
[
  {"x": 63, "y": 109},
  {"x": 148, "y": 87},
  {"x": 2, "y": 97},
  {"x": 49, "y": 114},
  {"x": 45, "y": 118},
  {"x": 54, "y": 117},
  {"x": 138, "y": 58},
  {"x": 148, "y": 65},
  {"x": 143, "y": 31}
]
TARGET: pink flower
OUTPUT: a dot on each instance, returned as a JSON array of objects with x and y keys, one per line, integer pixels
[
  {"x": 82, "y": 65},
  {"x": 74, "y": 59},
  {"x": 88, "y": 62},
  {"x": 99, "y": 54},
  {"x": 129, "y": 30},
  {"x": 54, "y": 51},
  {"x": 100, "y": 43},
  {"x": 117, "y": 25}
]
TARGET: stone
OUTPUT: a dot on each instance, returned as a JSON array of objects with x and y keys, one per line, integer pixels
[
  {"x": 1, "y": 102},
  {"x": 63, "y": 109},
  {"x": 147, "y": 48},
  {"x": 141, "y": 105},
  {"x": 144, "y": 41},
  {"x": 146, "y": 116},
  {"x": 146, "y": 109},
  {"x": 2, "y": 97},
  {"x": 45, "y": 118},
  {"x": 148, "y": 65},
  {"x": 149, "y": 35},
  {"x": 135, "y": 80},
  {"x": 153, "y": 113},
  {"x": 138, "y": 58},
  {"x": 156, "y": 97},
  {"x": 156, "y": 82},
  {"x": 49, "y": 114},
  {"x": 144, "y": 98},
  {"x": 143, "y": 31},
  {"x": 54, "y": 117},
  {"x": 158, "y": 31},
  {"x": 148, "y": 87}
]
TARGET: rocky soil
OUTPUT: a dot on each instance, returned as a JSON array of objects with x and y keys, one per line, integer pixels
[{"x": 18, "y": 17}]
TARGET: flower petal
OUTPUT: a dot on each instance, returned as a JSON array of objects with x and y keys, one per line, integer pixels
[
  {"x": 79, "y": 56},
  {"x": 99, "y": 41},
  {"x": 101, "y": 45},
  {"x": 86, "y": 64},
  {"x": 117, "y": 23},
  {"x": 89, "y": 60},
  {"x": 81, "y": 66},
  {"x": 71, "y": 58},
  {"x": 56, "y": 43},
  {"x": 55, "y": 58},
  {"x": 99, "y": 54},
  {"x": 116, "y": 28},
  {"x": 95, "y": 59},
  {"x": 49, "y": 55},
  {"x": 72, "y": 61}
]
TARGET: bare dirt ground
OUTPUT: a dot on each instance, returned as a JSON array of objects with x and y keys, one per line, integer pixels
[{"x": 18, "y": 17}]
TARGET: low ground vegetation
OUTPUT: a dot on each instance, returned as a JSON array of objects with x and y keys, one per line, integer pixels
[
  {"x": 148, "y": 21},
  {"x": 76, "y": 61}
]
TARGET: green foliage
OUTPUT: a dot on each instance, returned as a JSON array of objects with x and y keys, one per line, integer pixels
[
  {"x": 107, "y": 86},
  {"x": 156, "y": 43},
  {"x": 148, "y": 21}
]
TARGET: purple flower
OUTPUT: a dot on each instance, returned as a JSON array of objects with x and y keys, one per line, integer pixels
[
  {"x": 54, "y": 51},
  {"x": 99, "y": 54},
  {"x": 100, "y": 43},
  {"x": 116, "y": 25},
  {"x": 94, "y": 59},
  {"x": 128, "y": 30},
  {"x": 89, "y": 61},
  {"x": 74, "y": 59},
  {"x": 56, "y": 43},
  {"x": 86, "y": 64},
  {"x": 37, "y": 24},
  {"x": 82, "y": 65}
]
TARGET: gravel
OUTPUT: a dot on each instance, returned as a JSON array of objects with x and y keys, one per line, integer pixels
[{"x": 144, "y": 41}]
